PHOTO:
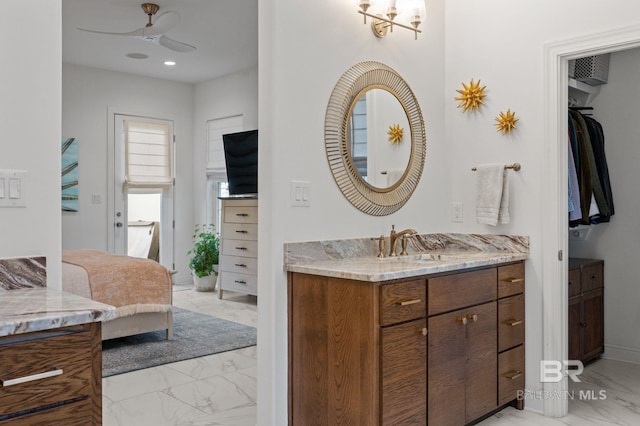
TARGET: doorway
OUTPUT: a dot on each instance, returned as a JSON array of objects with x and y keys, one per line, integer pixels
[{"x": 555, "y": 226}]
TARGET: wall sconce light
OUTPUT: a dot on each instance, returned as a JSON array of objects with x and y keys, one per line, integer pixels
[{"x": 380, "y": 24}]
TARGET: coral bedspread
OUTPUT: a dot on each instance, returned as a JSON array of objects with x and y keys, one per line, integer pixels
[{"x": 121, "y": 280}]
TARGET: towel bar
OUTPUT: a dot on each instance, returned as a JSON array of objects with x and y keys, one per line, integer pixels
[{"x": 515, "y": 166}]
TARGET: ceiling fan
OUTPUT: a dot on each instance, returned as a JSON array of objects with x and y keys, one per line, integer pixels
[{"x": 153, "y": 32}]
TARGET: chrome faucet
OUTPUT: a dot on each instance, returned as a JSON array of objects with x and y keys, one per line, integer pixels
[{"x": 393, "y": 238}]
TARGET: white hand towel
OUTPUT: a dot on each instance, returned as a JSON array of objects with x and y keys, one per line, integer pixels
[{"x": 492, "y": 198}]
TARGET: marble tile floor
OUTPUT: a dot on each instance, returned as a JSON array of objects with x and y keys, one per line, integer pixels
[
  {"x": 221, "y": 389},
  {"x": 218, "y": 389}
]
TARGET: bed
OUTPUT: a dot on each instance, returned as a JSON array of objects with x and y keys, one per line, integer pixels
[{"x": 140, "y": 289}]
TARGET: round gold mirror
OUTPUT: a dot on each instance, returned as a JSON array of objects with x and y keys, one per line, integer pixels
[{"x": 375, "y": 138}]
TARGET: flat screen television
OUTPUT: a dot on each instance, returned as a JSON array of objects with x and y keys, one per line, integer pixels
[{"x": 241, "y": 157}]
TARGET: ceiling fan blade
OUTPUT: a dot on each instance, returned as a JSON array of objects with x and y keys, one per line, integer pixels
[
  {"x": 139, "y": 32},
  {"x": 175, "y": 45},
  {"x": 163, "y": 23}
]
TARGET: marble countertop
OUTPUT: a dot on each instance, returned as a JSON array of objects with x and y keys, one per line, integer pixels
[{"x": 37, "y": 309}]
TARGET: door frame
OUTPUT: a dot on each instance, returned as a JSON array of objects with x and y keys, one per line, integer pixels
[
  {"x": 555, "y": 177},
  {"x": 168, "y": 260}
]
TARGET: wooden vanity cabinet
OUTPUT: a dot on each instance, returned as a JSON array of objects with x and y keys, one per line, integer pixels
[
  {"x": 586, "y": 309},
  {"x": 68, "y": 390}
]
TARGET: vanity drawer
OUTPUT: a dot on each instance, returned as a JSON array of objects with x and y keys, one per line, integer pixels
[
  {"x": 243, "y": 283},
  {"x": 510, "y": 279},
  {"x": 574, "y": 282},
  {"x": 63, "y": 355},
  {"x": 510, "y": 322},
  {"x": 240, "y": 231},
  {"x": 451, "y": 292},
  {"x": 592, "y": 277},
  {"x": 241, "y": 265},
  {"x": 510, "y": 374},
  {"x": 75, "y": 414},
  {"x": 402, "y": 301},
  {"x": 239, "y": 214},
  {"x": 240, "y": 248}
]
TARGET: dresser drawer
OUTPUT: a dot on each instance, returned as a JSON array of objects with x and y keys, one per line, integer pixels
[
  {"x": 75, "y": 414},
  {"x": 510, "y": 322},
  {"x": 403, "y": 301},
  {"x": 62, "y": 356},
  {"x": 240, "y": 248},
  {"x": 240, "y": 231},
  {"x": 237, "y": 214},
  {"x": 451, "y": 292},
  {"x": 241, "y": 265},
  {"x": 243, "y": 283},
  {"x": 574, "y": 284},
  {"x": 510, "y": 374},
  {"x": 510, "y": 280},
  {"x": 592, "y": 277}
]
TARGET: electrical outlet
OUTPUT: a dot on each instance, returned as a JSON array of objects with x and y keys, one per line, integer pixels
[{"x": 456, "y": 212}]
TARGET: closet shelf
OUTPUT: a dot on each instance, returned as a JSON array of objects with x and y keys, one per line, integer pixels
[{"x": 580, "y": 93}]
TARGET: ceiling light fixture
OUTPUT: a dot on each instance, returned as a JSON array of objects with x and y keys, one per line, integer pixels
[
  {"x": 380, "y": 25},
  {"x": 169, "y": 63}
]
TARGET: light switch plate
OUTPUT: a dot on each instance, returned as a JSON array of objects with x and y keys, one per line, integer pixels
[
  {"x": 14, "y": 188},
  {"x": 457, "y": 212},
  {"x": 300, "y": 193}
]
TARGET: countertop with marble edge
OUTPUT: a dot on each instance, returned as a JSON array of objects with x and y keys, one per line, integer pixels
[
  {"x": 36, "y": 309},
  {"x": 428, "y": 254}
]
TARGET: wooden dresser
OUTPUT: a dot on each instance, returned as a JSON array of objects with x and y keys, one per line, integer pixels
[
  {"x": 442, "y": 349},
  {"x": 586, "y": 309},
  {"x": 52, "y": 377},
  {"x": 239, "y": 246}
]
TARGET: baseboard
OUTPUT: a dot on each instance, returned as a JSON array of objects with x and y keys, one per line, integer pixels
[{"x": 622, "y": 353}]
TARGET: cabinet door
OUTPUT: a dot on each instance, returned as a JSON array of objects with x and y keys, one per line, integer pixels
[
  {"x": 446, "y": 371},
  {"x": 593, "y": 324},
  {"x": 404, "y": 373},
  {"x": 575, "y": 329},
  {"x": 481, "y": 361}
]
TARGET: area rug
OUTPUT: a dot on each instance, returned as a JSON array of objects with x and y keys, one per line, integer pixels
[{"x": 194, "y": 335}]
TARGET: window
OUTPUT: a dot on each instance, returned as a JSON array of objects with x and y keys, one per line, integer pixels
[
  {"x": 358, "y": 135},
  {"x": 148, "y": 155}
]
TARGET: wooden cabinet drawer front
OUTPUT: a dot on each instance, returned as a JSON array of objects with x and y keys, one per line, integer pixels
[
  {"x": 240, "y": 231},
  {"x": 510, "y": 374},
  {"x": 69, "y": 353},
  {"x": 240, "y": 248},
  {"x": 592, "y": 277},
  {"x": 574, "y": 282},
  {"x": 76, "y": 414},
  {"x": 510, "y": 322},
  {"x": 510, "y": 279},
  {"x": 404, "y": 374},
  {"x": 456, "y": 291},
  {"x": 237, "y": 214},
  {"x": 241, "y": 265},
  {"x": 403, "y": 301},
  {"x": 239, "y": 282}
]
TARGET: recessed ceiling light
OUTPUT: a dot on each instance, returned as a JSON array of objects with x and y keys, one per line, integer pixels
[
  {"x": 137, "y": 56},
  {"x": 169, "y": 63}
]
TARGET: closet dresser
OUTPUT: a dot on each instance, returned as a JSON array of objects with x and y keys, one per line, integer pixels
[{"x": 239, "y": 245}]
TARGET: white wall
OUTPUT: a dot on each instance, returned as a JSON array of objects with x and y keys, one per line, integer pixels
[
  {"x": 87, "y": 94},
  {"x": 30, "y": 123},
  {"x": 618, "y": 242}
]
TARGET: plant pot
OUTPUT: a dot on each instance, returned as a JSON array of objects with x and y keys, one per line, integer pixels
[{"x": 206, "y": 283}]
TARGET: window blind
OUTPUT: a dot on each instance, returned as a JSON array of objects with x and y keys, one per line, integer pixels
[{"x": 148, "y": 162}]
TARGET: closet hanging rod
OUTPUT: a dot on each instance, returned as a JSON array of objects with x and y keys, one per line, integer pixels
[{"x": 515, "y": 167}]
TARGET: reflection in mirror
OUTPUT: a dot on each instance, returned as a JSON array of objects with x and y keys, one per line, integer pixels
[{"x": 379, "y": 161}]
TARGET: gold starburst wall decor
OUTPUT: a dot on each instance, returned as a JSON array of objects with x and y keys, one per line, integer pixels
[
  {"x": 472, "y": 96},
  {"x": 395, "y": 133},
  {"x": 506, "y": 122}
]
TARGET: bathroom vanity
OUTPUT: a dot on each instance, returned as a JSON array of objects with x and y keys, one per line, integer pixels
[
  {"x": 50, "y": 358},
  {"x": 435, "y": 337}
]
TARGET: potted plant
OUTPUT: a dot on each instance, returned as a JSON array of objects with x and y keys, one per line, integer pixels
[{"x": 205, "y": 254}]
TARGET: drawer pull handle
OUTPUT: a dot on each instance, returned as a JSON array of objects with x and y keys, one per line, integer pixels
[
  {"x": 514, "y": 322},
  {"x": 241, "y": 231},
  {"x": 593, "y": 277},
  {"x": 570, "y": 283},
  {"x": 242, "y": 214},
  {"x": 33, "y": 377},
  {"x": 240, "y": 281},
  {"x": 409, "y": 302},
  {"x": 422, "y": 331},
  {"x": 462, "y": 320},
  {"x": 473, "y": 317},
  {"x": 513, "y": 374},
  {"x": 240, "y": 265},
  {"x": 241, "y": 248},
  {"x": 514, "y": 280}
]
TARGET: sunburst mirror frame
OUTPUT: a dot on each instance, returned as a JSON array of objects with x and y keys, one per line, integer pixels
[{"x": 354, "y": 82}]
